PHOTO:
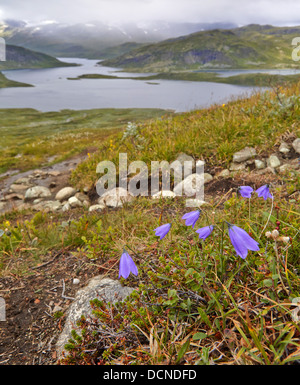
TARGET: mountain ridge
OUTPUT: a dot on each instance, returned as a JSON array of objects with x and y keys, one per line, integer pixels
[{"x": 252, "y": 46}]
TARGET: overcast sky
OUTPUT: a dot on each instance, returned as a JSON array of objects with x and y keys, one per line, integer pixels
[{"x": 276, "y": 12}]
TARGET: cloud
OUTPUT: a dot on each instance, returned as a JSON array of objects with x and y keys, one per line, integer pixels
[{"x": 239, "y": 11}]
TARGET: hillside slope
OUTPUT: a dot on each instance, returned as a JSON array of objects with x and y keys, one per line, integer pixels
[
  {"x": 19, "y": 58},
  {"x": 253, "y": 46}
]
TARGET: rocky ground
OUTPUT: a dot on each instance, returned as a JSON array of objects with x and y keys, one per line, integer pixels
[{"x": 35, "y": 302}]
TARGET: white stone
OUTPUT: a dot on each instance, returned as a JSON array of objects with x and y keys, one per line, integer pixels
[
  {"x": 37, "y": 192},
  {"x": 164, "y": 194},
  {"x": 76, "y": 281},
  {"x": 259, "y": 164},
  {"x": 273, "y": 161},
  {"x": 194, "y": 203},
  {"x": 237, "y": 166},
  {"x": 104, "y": 289},
  {"x": 48, "y": 206},
  {"x": 207, "y": 177},
  {"x": 115, "y": 197},
  {"x": 66, "y": 207},
  {"x": 284, "y": 148},
  {"x": 65, "y": 193},
  {"x": 224, "y": 173},
  {"x": 245, "y": 154},
  {"x": 296, "y": 145},
  {"x": 96, "y": 207},
  {"x": 74, "y": 202},
  {"x": 188, "y": 185}
]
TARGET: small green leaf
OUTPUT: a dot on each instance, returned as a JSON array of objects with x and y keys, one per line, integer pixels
[{"x": 199, "y": 336}]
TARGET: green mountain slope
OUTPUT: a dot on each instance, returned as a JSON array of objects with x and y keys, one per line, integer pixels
[
  {"x": 253, "y": 46},
  {"x": 4, "y": 82},
  {"x": 19, "y": 58}
]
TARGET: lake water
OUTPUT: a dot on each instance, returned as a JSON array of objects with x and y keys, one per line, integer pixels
[{"x": 52, "y": 90}]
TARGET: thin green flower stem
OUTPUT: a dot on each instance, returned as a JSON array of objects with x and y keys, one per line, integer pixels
[
  {"x": 222, "y": 250},
  {"x": 268, "y": 218}
]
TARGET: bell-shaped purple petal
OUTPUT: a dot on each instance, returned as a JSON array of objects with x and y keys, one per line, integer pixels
[
  {"x": 204, "y": 232},
  {"x": 245, "y": 191},
  {"x": 264, "y": 192},
  {"x": 163, "y": 230},
  {"x": 127, "y": 266},
  {"x": 191, "y": 218},
  {"x": 241, "y": 241}
]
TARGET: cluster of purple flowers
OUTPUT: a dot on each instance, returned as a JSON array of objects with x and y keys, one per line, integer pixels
[
  {"x": 240, "y": 239},
  {"x": 262, "y": 191}
]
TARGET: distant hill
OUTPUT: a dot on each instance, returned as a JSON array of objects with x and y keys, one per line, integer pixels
[
  {"x": 252, "y": 46},
  {"x": 19, "y": 58},
  {"x": 93, "y": 40}
]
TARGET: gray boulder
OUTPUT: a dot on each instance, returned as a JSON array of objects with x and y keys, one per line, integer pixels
[
  {"x": 104, "y": 289},
  {"x": 296, "y": 145},
  {"x": 243, "y": 155},
  {"x": 37, "y": 192},
  {"x": 65, "y": 193}
]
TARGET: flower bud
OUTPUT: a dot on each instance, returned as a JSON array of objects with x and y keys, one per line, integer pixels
[
  {"x": 268, "y": 234},
  {"x": 275, "y": 234}
]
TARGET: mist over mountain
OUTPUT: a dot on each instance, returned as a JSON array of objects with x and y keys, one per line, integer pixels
[{"x": 92, "y": 39}]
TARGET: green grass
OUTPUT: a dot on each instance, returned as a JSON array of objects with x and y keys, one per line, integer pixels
[
  {"x": 35, "y": 136},
  {"x": 185, "y": 304},
  {"x": 196, "y": 302}
]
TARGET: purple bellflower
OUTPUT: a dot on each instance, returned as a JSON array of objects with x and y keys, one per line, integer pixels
[
  {"x": 241, "y": 241},
  {"x": 163, "y": 230},
  {"x": 191, "y": 218},
  {"x": 245, "y": 191},
  {"x": 204, "y": 232},
  {"x": 127, "y": 266},
  {"x": 264, "y": 192}
]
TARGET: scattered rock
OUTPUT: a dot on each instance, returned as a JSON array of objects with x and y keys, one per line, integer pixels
[
  {"x": 194, "y": 203},
  {"x": 296, "y": 145},
  {"x": 65, "y": 193},
  {"x": 259, "y": 164},
  {"x": 190, "y": 165},
  {"x": 104, "y": 289},
  {"x": 207, "y": 177},
  {"x": 224, "y": 174},
  {"x": 74, "y": 202},
  {"x": 66, "y": 207},
  {"x": 284, "y": 148},
  {"x": 273, "y": 161},
  {"x": 37, "y": 192},
  {"x": 96, "y": 207},
  {"x": 48, "y": 206},
  {"x": 188, "y": 185},
  {"x": 14, "y": 196},
  {"x": 19, "y": 188},
  {"x": 25, "y": 181},
  {"x": 115, "y": 197},
  {"x": 54, "y": 173},
  {"x": 164, "y": 194},
  {"x": 237, "y": 166},
  {"x": 243, "y": 155},
  {"x": 267, "y": 170}
]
